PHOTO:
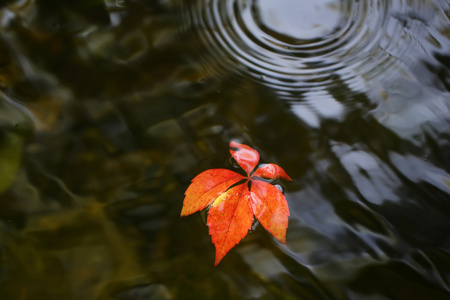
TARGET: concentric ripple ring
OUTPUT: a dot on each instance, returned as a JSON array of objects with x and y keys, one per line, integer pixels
[{"x": 294, "y": 46}]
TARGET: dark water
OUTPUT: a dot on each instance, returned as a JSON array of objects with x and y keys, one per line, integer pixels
[{"x": 109, "y": 108}]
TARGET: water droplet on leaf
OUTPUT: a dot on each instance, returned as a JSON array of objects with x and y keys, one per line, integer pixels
[{"x": 280, "y": 188}]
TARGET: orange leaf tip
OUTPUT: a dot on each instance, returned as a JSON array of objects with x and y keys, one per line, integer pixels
[
  {"x": 271, "y": 171},
  {"x": 245, "y": 156}
]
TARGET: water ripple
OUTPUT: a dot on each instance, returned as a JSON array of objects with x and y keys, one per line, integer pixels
[{"x": 295, "y": 46}]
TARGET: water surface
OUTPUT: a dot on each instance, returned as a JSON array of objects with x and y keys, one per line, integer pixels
[{"x": 109, "y": 108}]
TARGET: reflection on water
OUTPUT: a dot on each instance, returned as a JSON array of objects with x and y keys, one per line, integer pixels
[{"x": 109, "y": 108}]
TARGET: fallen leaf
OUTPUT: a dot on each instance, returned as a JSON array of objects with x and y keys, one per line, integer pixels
[
  {"x": 235, "y": 200},
  {"x": 206, "y": 187}
]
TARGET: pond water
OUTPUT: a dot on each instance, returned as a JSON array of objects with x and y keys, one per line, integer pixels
[{"x": 110, "y": 107}]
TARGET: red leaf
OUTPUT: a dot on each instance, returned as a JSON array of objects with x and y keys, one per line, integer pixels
[
  {"x": 271, "y": 171},
  {"x": 245, "y": 156},
  {"x": 232, "y": 208},
  {"x": 229, "y": 219},
  {"x": 270, "y": 208},
  {"x": 206, "y": 187}
]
